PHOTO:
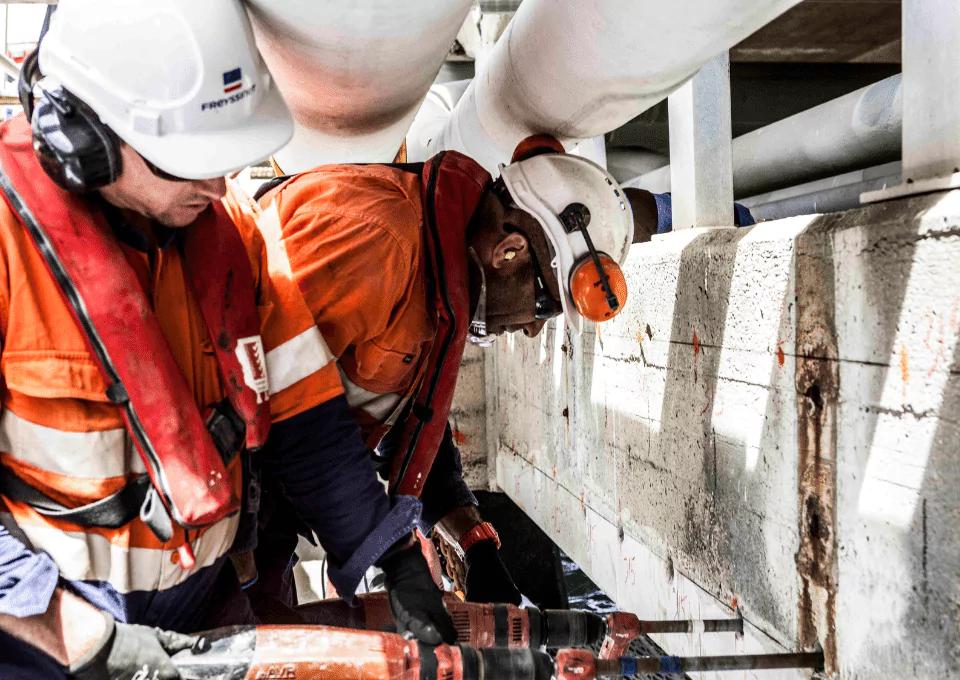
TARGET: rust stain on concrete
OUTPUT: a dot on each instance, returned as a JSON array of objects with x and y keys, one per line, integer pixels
[
  {"x": 696, "y": 353},
  {"x": 780, "y": 356},
  {"x": 817, "y": 385}
]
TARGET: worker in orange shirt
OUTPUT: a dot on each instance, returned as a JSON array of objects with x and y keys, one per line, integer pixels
[
  {"x": 148, "y": 345},
  {"x": 399, "y": 265}
]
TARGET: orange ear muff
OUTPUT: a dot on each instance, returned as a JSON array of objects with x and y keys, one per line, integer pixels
[{"x": 587, "y": 291}]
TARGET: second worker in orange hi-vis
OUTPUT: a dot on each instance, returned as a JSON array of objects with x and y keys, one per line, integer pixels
[
  {"x": 153, "y": 355},
  {"x": 400, "y": 264}
]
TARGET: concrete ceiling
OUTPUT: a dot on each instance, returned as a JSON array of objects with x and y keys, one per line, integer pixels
[{"x": 863, "y": 31}]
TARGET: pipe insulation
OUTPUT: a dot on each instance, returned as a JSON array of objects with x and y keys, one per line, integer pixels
[
  {"x": 353, "y": 73},
  {"x": 578, "y": 69},
  {"x": 854, "y": 131}
]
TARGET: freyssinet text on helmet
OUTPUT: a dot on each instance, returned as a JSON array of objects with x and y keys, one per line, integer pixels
[{"x": 232, "y": 99}]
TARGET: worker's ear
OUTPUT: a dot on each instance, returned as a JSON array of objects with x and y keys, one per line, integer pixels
[{"x": 509, "y": 249}]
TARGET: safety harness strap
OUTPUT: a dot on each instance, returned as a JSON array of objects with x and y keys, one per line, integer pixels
[
  {"x": 452, "y": 186},
  {"x": 111, "y": 512},
  {"x": 97, "y": 284}
]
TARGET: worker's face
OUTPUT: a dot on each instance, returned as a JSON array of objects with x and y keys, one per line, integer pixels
[
  {"x": 173, "y": 203},
  {"x": 506, "y": 239}
]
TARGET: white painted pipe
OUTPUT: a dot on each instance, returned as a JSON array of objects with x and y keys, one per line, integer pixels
[
  {"x": 352, "y": 71},
  {"x": 857, "y": 130},
  {"x": 580, "y": 68},
  {"x": 433, "y": 115}
]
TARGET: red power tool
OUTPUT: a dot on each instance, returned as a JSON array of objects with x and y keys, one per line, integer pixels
[
  {"x": 322, "y": 653},
  {"x": 504, "y": 625}
]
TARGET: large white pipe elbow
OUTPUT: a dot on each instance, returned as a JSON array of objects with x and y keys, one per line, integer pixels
[
  {"x": 577, "y": 69},
  {"x": 433, "y": 115},
  {"x": 353, "y": 72}
]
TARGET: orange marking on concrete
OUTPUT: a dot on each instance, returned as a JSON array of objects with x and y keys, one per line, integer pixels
[
  {"x": 904, "y": 371},
  {"x": 459, "y": 437},
  {"x": 780, "y": 355}
]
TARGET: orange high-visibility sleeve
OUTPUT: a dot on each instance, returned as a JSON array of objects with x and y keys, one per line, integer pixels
[
  {"x": 300, "y": 366},
  {"x": 352, "y": 235}
]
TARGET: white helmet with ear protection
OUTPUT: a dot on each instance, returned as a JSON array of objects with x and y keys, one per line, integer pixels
[
  {"x": 180, "y": 81},
  {"x": 588, "y": 222}
]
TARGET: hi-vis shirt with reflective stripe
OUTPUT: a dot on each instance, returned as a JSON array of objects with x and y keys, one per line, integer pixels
[
  {"x": 353, "y": 237},
  {"x": 59, "y": 433}
]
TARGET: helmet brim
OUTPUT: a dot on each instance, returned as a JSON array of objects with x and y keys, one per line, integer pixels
[
  {"x": 529, "y": 203},
  {"x": 219, "y": 152}
]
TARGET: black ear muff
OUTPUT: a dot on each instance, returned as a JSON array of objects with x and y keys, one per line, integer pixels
[{"x": 74, "y": 147}]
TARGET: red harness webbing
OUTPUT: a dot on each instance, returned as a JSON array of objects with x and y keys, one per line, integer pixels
[
  {"x": 127, "y": 343},
  {"x": 452, "y": 185}
]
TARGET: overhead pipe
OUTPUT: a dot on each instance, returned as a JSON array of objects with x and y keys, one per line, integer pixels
[
  {"x": 829, "y": 195},
  {"x": 353, "y": 73},
  {"x": 859, "y": 129},
  {"x": 579, "y": 69}
]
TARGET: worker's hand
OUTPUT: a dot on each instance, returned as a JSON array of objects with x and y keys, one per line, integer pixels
[
  {"x": 127, "y": 651},
  {"x": 487, "y": 579},
  {"x": 416, "y": 602}
]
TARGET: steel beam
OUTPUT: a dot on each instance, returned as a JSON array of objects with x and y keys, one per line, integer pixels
[
  {"x": 931, "y": 99},
  {"x": 702, "y": 170}
]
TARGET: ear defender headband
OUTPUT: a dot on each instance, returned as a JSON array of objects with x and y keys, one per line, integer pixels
[{"x": 74, "y": 147}]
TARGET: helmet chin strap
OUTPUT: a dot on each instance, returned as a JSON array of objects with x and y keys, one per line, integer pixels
[{"x": 477, "y": 332}]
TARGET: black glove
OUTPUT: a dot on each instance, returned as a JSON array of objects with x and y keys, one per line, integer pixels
[
  {"x": 127, "y": 651},
  {"x": 487, "y": 579},
  {"x": 416, "y": 602}
]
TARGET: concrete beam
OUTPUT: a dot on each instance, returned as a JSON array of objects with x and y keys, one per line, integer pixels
[{"x": 770, "y": 426}]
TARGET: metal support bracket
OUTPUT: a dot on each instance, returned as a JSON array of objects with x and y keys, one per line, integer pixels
[
  {"x": 931, "y": 100},
  {"x": 701, "y": 168}
]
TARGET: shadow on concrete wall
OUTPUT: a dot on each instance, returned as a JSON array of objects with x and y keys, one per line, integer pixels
[{"x": 932, "y": 622}]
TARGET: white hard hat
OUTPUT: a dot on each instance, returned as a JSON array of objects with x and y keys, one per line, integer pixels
[
  {"x": 180, "y": 81},
  {"x": 588, "y": 222}
]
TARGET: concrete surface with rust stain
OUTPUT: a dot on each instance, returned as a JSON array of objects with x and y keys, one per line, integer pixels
[
  {"x": 468, "y": 418},
  {"x": 680, "y": 423}
]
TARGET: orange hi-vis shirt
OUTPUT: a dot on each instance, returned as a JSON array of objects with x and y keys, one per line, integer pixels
[
  {"x": 60, "y": 434},
  {"x": 353, "y": 236}
]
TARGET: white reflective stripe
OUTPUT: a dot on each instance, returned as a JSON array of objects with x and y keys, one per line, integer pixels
[
  {"x": 297, "y": 359},
  {"x": 380, "y": 406},
  {"x": 84, "y": 455},
  {"x": 92, "y": 557}
]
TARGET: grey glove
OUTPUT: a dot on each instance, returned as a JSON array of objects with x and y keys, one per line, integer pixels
[{"x": 130, "y": 652}]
